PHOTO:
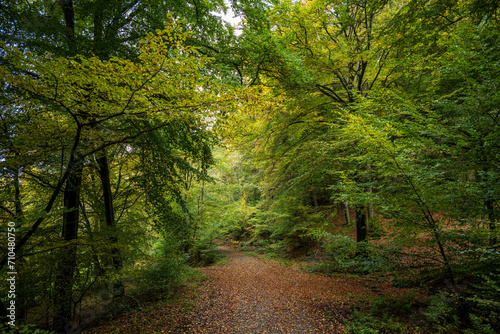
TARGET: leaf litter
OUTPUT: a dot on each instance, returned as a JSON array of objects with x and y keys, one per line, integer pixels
[{"x": 253, "y": 295}]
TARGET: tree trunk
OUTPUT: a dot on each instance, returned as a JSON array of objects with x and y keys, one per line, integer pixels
[
  {"x": 63, "y": 284},
  {"x": 69, "y": 19},
  {"x": 371, "y": 209},
  {"x": 3, "y": 312},
  {"x": 493, "y": 218},
  {"x": 360, "y": 223},
  {"x": 347, "y": 214},
  {"x": 17, "y": 198},
  {"x": 315, "y": 197},
  {"x": 200, "y": 207},
  {"x": 116, "y": 259}
]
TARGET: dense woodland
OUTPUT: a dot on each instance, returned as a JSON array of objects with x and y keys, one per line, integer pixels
[{"x": 363, "y": 136}]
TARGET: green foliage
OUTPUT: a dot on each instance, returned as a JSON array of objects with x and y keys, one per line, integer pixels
[
  {"x": 340, "y": 248},
  {"x": 203, "y": 252},
  {"x": 401, "y": 306},
  {"x": 442, "y": 313},
  {"x": 387, "y": 104},
  {"x": 164, "y": 270},
  {"x": 479, "y": 326},
  {"x": 484, "y": 298},
  {"x": 223, "y": 205},
  {"x": 384, "y": 314},
  {"x": 344, "y": 254},
  {"x": 365, "y": 323},
  {"x": 292, "y": 229},
  {"x": 23, "y": 329}
]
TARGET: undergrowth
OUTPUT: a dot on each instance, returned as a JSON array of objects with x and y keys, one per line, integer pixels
[
  {"x": 385, "y": 315},
  {"x": 23, "y": 329},
  {"x": 471, "y": 308},
  {"x": 203, "y": 252}
]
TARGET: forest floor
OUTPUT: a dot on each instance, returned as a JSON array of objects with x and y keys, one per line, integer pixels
[{"x": 252, "y": 294}]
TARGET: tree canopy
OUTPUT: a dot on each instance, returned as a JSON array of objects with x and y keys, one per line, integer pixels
[{"x": 134, "y": 133}]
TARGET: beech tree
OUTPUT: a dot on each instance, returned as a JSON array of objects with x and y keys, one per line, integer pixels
[
  {"x": 362, "y": 106},
  {"x": 102, "y": 29},
  {"x": 320, "y": 58},
  {"x": 81, "y": 97}
]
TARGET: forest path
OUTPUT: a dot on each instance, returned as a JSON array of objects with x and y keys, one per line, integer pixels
[
  {"x": 254, "y": 295},
  {"x": 250, "y": 295}
]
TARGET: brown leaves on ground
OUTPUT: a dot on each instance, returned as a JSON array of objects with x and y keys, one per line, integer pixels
[
  {"x": 250, "y": 295},
  {"x": 253, "y": 295}
]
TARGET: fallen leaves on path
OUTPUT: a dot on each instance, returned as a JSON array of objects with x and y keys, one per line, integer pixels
[
  {"x": 253, "y": 295},
  {"x": 249, "y": 295}
]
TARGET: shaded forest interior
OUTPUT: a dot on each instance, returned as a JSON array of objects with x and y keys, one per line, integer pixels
[{"x": 350, "y": 138}]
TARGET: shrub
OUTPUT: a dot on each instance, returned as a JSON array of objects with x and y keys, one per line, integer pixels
[
  {"x": 203, "y": 252},
  {"x": 346, "y": 255},
  {"x": 479, "y": 327},
  {"x": 384, "y": 315},
  {"x": 442, "y": 313},
  {"x": 483, "y": 297},
  {"x": 24, "y": 329},
  {"x": 362, "y": 322},
  {"x": 165, "y": 269}
]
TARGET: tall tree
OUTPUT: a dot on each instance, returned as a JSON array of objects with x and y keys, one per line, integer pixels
[
  {"x": 104, "y": 29},
  {"x": 324, "y": 57},
  {"x": 85, "y": 94}
]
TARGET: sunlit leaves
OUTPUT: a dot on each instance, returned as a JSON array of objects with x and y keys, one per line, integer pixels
[{"x": 165, "y": 84}]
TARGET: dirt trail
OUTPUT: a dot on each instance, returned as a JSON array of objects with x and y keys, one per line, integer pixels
[{"x": 252, "y": 295}]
